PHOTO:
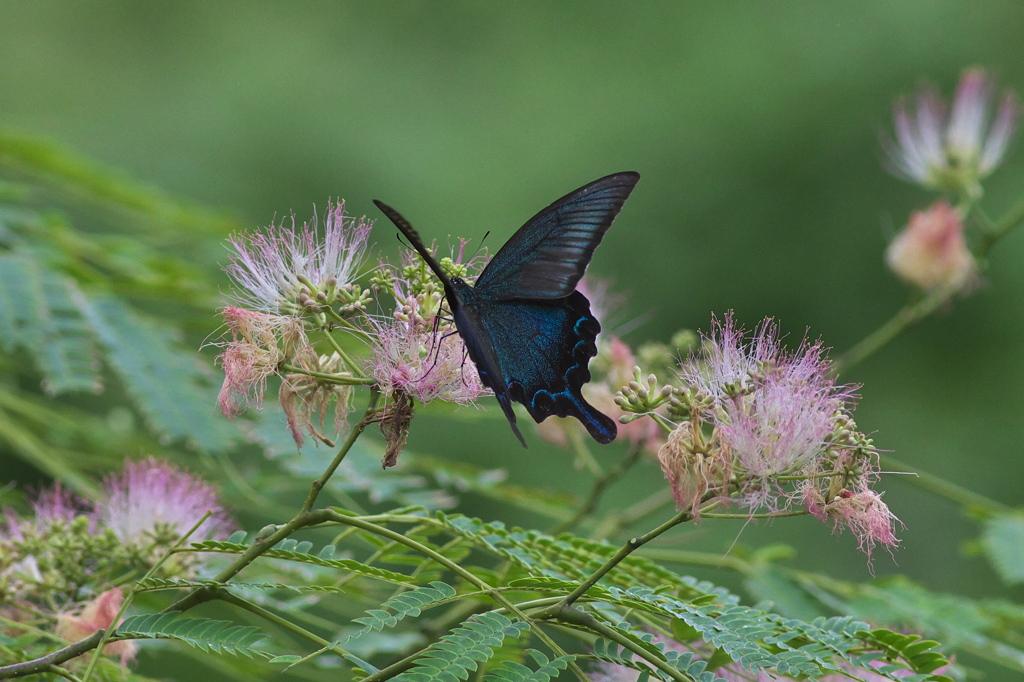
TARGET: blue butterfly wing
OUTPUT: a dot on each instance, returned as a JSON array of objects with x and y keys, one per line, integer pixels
[
  {"x": 536, "y": 353},
  {"x": 547, "y": 256}
]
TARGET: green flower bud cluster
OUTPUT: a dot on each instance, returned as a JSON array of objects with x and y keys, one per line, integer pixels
[
  {"x": 684, "y": 402},
  {"x": 52, "y": 563},
  {"x": 642, "y": 395}
]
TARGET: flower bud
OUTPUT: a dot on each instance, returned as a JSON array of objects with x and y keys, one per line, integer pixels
[{"x": 931, "y": 252}]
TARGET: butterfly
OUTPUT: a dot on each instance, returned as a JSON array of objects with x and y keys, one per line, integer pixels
[{"x": 527, "y": 329}]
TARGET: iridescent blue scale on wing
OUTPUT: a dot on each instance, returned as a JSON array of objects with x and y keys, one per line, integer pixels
[{"x": 530, "y": 334}]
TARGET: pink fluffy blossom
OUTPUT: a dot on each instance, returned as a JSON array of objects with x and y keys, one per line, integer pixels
[
  {"x": 865, "y": 514},
  {"x": 96, "y": 615},
  {"x": 931, "y": 252},
  {"x": 951, "y": 151},
  {"x": 259, "y": 343},
  {"x": 152, "y": 497},
  {"x": 270, "y": 267}
]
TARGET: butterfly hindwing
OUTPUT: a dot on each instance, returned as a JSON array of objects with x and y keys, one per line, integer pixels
[
  {"x": 542, "y": 349},
  {"x": 547, "y": 256}
]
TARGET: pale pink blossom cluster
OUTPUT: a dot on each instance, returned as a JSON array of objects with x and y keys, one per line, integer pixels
[
  {"x": 763, "y": 417},
  {"x": 952, "y": 149},
  {"x": 98, "y": 614},
  {"x": 416, "y": 350},
  {"x": 146, "y": 499},
  {"x": 931, "y": 252},
  {"x": 281, "y": 270},
  {"x": 259, "y": 343},
  {"x": 151, "y": 497}
]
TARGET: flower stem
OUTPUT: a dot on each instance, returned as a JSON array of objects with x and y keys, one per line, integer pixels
[
  {"x": 918, "y": 310},
  {"x": 356, "y": 369},
  {"x": 466, "y": 575},
  {"x": 568, "y": 614},
  {"x": 908, "y": 315},
  {"x": 131, "y": 595},
  {"x": 357, "y": 431},
  {"x": 631, "y": 546},
  {"x": 331, "y": 378}
]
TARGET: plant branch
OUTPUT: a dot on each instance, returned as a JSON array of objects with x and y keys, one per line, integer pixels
[
  {"x": 631, "y": 546},
  {"x": 569, "y": 614},
  {"x": 330, "y": 378},
  {"x": 357, "y": 431},
  {"x": 454, "y": 567}
]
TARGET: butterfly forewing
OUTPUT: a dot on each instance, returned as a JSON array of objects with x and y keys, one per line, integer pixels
[{"x": 546, "y": 258}]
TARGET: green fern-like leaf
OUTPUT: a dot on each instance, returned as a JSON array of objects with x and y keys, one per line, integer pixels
[
  {"x": 920, "y": 654},
  {"x": 307, "y": 558},
  {"x": 400, "y": 606},
  {"x": 510, "y": 671},
  {"x": 462, "y": 650},
  {"x": 217, "y": 636},
  {"x": 572, "y": 558},
  {"x": 167, "y": 384},
  {"x": 156, "y": 584},
  {"x": 39, "y": 312}
]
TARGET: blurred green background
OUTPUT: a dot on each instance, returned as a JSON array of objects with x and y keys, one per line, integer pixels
[{"x": 754, "y": 125}]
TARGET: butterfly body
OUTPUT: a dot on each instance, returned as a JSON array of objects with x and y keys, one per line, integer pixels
[{"x": 530, "y": 334}]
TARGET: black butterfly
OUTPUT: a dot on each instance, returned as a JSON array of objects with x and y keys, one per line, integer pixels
[{"x": 530, "y": 333}]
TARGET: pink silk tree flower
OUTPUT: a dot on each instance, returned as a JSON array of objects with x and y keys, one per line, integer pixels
[
  {"x": 282, "y": 270},
  {"x": 951, "y": 150},
  {"x": 152, "y": 499},
  {"x": 931, "y": 252},
  {"x": 259, "y": 343},
  {"x": 96, "y": 615}
]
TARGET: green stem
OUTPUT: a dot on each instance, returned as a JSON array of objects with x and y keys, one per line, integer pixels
[
  {"x": 272, "y": 617},
  {"x": 915, "y": 312},
  {"x": 304, "y": 518},
  {"x": 356, "y": 369},
  {"x": 67, "y": 675},
  {"x": 331, "y": 378},
  {"x": 346, "y": 324},
  {"x": 452, "y": 566},
  {"x": 568, "y": 614},
  {"x": 357, "y": 430},
  {"x": 44, "y": 663},
  {"x": 1013, "y": 218},
  {"x": 944, "y": 488},
  {"x": 773, "y": 515},
  {"x": 908, "y": 315},
  {"x": 131, "y": 595},
  {"x": 631, "y": 546}
]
